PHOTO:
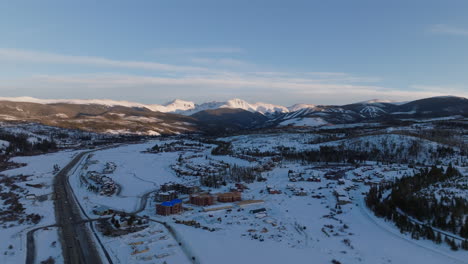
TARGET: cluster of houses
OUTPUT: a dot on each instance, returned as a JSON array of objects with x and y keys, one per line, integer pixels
[
  {"x": 180, "y": 188},
  {"x": 268, "y": 165},
  {"x": 175, "y": 146},
  {"x": 378, "y": 174},
  {"x": 213, "y": 168},
  {"x": 342, "y": 196},
  {"x": 264, "y": 164},
  {"x": 368, "y": 168},
  {"x": 300, "y": 176},
  {"x": 171, "y": 204},
  {"x": 375, "y": 179},
  {"x": 341, "y": 192},
  {"x": 239, "y": 187},
  {"x": 99, "y": 183},
  {"x": 297, "y": 191},
  {"x": 272, "y": 190},
  {"x": 109, "y": 168}
]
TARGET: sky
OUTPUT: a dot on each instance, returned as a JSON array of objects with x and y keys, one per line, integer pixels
[{"x": 281, "y": 52}]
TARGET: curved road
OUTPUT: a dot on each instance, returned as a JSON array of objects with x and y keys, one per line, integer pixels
[{"x": 78, "y": 246}]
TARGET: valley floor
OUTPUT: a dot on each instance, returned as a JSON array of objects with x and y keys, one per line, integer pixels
[{"x": 304, "y": 222}]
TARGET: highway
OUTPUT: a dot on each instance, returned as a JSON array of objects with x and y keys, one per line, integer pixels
[{"x": 77, "y": 245}]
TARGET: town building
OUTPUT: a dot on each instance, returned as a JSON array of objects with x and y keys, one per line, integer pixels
[
  {"x": 166, "y": 196},
  {"x": 184, "y": 189},
  {"x": 203, "y": 199},
  {"x": 229, "y": 197},
  {"x": 169, "y": 207}
]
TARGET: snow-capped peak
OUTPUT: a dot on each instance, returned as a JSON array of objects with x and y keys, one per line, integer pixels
[
  {"x": 106, "y": 102},
  {"x": 297, "y": 107},
  {"x": 259, "y": 107},
  {"x": 178, "y": 106},
  {"x": 374, "y": 101},
  {"x": 237, "y": 103}
]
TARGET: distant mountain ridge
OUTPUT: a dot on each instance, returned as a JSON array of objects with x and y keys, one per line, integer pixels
[
  {"x": 176, "y": 106},
  {"x": 181, "y": 116}
]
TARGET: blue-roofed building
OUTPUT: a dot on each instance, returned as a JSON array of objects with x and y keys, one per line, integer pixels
[{"x": 169, "y": 207}]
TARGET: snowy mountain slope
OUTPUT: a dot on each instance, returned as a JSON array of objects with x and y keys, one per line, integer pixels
[
  {"x": 367, "y": 109},
  {"x": 298, "y": 107},
  {"x": 383, "y": 110},
  {"x": 176, "y": 106},
  {"x": 306, "y": 121},
  {"x": 98, "y": 118},
  {"x": 124, "y": 115},
  {"x": 372, "y": 111},
  {"x": 376, "y": 101},
  {"x": 262, "y": 108}
]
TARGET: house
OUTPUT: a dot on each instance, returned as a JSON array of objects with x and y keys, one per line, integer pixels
[
  {"x": 259, "y": 210},
  {"x": 341, "y": 196},
  {"x": 314, "y": 179},
  {"x": 31, "y": 196},
  {"x": 274, "y": 191},
  {"x": 241, "y": 187},
  {"x": 102, "y": 210},
  {"x": 166, "y": 196},
  {"x": 300, "y": 193},
  {"x": 169, "y": 207},
  {"x": 203, "y": 199},
  {"x": 189, "y": 189},
  {"x": 229, "y": 197}
]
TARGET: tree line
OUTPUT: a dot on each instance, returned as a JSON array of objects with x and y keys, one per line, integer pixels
[
  {"x": 402, "y": 201},
  {"x": 19, "y": 144}
]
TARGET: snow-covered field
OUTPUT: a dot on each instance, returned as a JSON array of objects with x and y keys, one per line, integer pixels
[
  {"x": 316, "y": 219},
  {"x": 137, "y": 173},
  {"x": 295, "y": 229},
  {"x": 40, "y": 171},
  {"x": 306, "y": 121},
  {"x": 293, "y": 232},
  {"x": 48, "y": 245},
  {"x": 152, "y": 245}
]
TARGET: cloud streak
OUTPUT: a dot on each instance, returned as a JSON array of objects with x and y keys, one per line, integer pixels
[
  {"x": 44, "y": 57},
  {"x": 242, "y": 86},
  {"x": 166, "y": 81},
  {"x": 449, "y": 30},
  {"x": 197, "y": 50}
]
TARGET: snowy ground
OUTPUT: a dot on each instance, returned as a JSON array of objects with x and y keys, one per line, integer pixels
[
  {"x": 356, "y": 236},
  {"x": 48, "y": 245},
  {"x": 136, "y": 174},
  {"x": 294, "y": 229},
  {"x": 151, "y": 245},
  {"x": 40, "y": 169}
]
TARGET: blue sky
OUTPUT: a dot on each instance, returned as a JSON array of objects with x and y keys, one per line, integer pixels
[{"x": 283, "y": 52}]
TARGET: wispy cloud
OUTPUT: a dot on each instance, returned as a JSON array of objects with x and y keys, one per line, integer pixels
[
  {"x": 447, "y": 89},
  {"x": 44, "y": 57},
  {"x": 197, "y": 50},
  {"x": 229, "y": 77},
  {"x": 449, "y": 30},
  {"x": 228, "y": 62},
  {"x": 220, "y": 68},
  {"x": 240, "y": 86}
]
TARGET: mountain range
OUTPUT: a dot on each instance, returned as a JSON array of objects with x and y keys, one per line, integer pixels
[{"x": 180, "y": 116}]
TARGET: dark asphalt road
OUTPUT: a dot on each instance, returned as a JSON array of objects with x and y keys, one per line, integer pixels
[{"x": 77, "y": 244}]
